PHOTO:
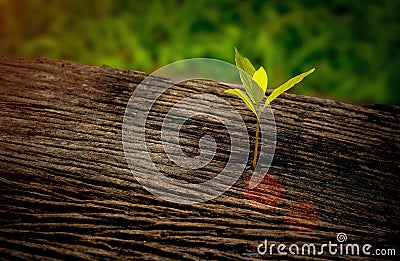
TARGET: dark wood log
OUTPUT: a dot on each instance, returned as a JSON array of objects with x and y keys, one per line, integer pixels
[{"x": 67, "y": 192}]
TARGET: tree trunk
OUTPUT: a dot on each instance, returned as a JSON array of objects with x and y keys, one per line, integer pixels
[{"x": 68, "y": 193}]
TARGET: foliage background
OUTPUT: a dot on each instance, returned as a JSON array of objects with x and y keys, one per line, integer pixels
[{"x": 353, "y": 44}]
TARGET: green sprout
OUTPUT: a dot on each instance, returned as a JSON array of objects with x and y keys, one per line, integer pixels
[{"x": 256, "y": 92}]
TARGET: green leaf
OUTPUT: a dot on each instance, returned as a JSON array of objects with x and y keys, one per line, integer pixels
[
  {"x": 244, "y": 97},
  {"x": 244, "y": 63},
  {"x": 255, "y": 93},
  {"x": 286, "y": 86},
  {"x": 247, "y": 71},
  {"x": 261, "y": 78}
]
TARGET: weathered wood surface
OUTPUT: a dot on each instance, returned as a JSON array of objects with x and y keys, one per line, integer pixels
[{"x": 67, "y": 192}]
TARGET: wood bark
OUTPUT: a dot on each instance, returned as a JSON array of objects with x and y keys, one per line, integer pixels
[{"x": 68, "y": 193}]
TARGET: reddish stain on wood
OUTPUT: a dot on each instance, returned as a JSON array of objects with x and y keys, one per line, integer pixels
[{"x": 267, "y": 195}]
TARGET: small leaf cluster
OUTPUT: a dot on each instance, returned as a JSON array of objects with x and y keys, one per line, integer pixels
[{"x": 255, "y": 83}]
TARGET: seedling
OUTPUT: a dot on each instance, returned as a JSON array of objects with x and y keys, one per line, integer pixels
[{"x": 256, "y": 92}]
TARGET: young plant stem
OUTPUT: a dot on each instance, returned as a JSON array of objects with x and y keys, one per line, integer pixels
[
  {"x": 256, "y": 145},
  {"x": 259, "y": 111}
]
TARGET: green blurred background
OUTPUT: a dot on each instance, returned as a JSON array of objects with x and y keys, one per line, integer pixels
[{"x": 353, "y": 44}]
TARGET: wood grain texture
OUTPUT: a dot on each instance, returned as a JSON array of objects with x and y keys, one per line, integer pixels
[{"x": 67, "y": 192}]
